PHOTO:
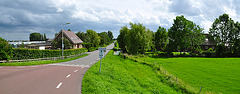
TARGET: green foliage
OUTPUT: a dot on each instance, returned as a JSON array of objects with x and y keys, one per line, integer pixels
[
  {"x": 160, "y": 39},
  {"x": 5, "y": 50},
  {"x": 83, "y": 36},
  {"x": 223, "y": 30},
  {"x": 37, "y": 37},
  {"x": 19, "y": 54},
  {"x": 215, "y": 75},
  {"x": 110, "y": 34},
  {"x": 122, "y": 38},
  {"x": 93, "y": 36},
  {"x": 220, "y": 50},
  {"x": 136, "y": 39},
  {"x": 57, "y": 43},
  {"x": 30, "y": 63},
  {"x": 184, "y": 34},
  {"x": 123, "y": 76},
  {"x": 104, "y": 38}
]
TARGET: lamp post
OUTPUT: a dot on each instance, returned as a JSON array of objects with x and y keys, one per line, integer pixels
[{"x": 62, "y": 38}]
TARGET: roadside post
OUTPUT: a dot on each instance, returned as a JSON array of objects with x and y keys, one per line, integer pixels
[{"x": 101, "y": 54}]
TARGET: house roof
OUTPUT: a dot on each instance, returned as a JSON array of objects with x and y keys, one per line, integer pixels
[{"x": 71, "y": 36}]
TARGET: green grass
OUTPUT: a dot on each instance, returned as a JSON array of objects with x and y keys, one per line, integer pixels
[
  {"x": 39, "y": 62},
  {"x": 123, "y": 76},
  {"x": 215, "y": 75}
]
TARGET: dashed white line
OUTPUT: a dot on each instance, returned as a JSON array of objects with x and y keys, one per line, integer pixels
[
  {"x": 59, "y": 85},
  {"x": 68, "y": 75},
  {"x": 75, "y": 70}
]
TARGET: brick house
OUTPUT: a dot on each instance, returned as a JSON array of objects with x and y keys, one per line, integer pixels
[{"x": 72, "y": 37}]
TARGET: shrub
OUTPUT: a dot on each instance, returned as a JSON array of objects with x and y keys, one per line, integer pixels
[
  {"x": 5, "y": 50},
  {"x": 19, "y": 54}
]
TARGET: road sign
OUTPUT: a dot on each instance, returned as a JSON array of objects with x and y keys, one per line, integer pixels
[{"x": 101, "y": 53}]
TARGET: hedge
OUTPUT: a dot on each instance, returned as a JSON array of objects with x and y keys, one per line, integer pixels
[{"x": 22, "y": 53}]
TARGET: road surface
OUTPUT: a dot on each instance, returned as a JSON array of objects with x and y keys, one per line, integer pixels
[{"x": 58, "y": 78}]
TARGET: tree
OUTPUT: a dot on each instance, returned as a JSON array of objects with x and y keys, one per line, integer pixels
[
  {"x": 223, "y": 30},
  {"x": 196, "y": 36},
  {"x": 5, "y": 50},
  {"x": 37, "y": 37},
  {"x": 57, "y": 43},
  {"x": 110, "y": 34},
  {"x": 69, "y": 30},
  {"x": 178, "y": 34},
  {"x": 83, "y": 36},
  {"x": 136, "y": 39},
  {"x": 160, "y": 38},
  {"x": 105, "y": 39},
  {"x": 93, "y": 36},
  {"x": 184, "y": 35},
  {"x": 122, "y": 38},
  {"x": 45, "y": 37}
]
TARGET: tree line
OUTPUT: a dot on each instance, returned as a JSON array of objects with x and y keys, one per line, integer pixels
[
  {"x": 37, "y": 37},
  {"x": 183, "y": 35}
]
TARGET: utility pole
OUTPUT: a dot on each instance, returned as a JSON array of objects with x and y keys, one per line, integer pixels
[{"x": 62, "y": 38}]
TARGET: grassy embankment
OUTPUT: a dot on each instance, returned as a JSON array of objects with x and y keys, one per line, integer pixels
[
  {"x": 39, "y": 62},
  {"x": 215, "y": 75},
  {"x": 124, "y": 76}
]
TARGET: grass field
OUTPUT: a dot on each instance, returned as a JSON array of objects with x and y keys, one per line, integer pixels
[
  {"x": 123, "y": 76},
  {"x": 215, "y": 75},
  {"x": 39, "y": 62}
]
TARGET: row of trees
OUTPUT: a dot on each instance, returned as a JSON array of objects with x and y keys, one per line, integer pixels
[
  {"x": 93, "y": 39},
  {"x": 184, "y": 35},
  {"x": 37, "y": 37}
]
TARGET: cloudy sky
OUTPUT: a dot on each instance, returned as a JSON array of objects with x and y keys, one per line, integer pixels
[{"x": 19, "y": 18}]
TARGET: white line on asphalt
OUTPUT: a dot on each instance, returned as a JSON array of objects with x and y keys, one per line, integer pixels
[
  {"x": 75, "y": 70},
  {"x": 21, "y": 67},
  {"x": 68, "y": 75},
  {"x": 59, "y": 85}
]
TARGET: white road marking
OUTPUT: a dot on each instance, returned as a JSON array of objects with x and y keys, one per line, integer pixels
[
  {"x": 59, "y": 85},
  {"x": 21, "y": 67},
  {"x": 68, "y": 75},
  {"x": 75, "y": 70}
]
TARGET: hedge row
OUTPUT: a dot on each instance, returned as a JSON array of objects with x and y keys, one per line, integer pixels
[{"x": 19, "y": 54}]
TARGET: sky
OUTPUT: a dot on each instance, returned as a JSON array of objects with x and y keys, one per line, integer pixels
[{"x": 19, "y": 18}]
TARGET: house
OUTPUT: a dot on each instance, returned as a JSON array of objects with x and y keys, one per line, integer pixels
[
  {"x": 72, "y": 37},
  {"x": 207, "y": 43}
]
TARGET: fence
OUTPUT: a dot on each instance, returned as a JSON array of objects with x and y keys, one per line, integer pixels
[{"x": 42, "y": 59}]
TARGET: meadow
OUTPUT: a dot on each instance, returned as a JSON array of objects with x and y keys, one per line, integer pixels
[
  {"x": 123, "y": 76},
  {"x": 215, "y": 75}
]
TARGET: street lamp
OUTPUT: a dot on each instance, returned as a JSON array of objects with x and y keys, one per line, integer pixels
[{"x": 62, "y": 38}]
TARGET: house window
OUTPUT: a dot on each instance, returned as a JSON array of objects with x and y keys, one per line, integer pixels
[{"x": 206, "y": 47}]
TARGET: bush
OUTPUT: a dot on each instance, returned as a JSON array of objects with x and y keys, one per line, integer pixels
[
  {"x": 5, "y": 50},
  {"x": 209, "y": 53},
  {"x": 220, "y": 50},
  {"x": 19, "y": 54},
  {"x": 92, "y": 49}
]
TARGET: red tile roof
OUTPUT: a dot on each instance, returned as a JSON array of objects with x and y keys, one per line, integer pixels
[{"x": 72, "y": 37}]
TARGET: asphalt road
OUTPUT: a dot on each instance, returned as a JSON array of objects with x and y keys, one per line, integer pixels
[{"x": 58, "y": 78}]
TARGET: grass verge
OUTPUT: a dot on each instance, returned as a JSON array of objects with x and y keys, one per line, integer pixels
[
  {"x": 124, "y": 76},
  {"x": 39, "y": 62}
]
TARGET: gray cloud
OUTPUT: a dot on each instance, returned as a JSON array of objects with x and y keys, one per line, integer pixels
[{"x": 19, "y": 18}]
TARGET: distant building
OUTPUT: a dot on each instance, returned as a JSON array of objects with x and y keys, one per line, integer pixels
[
  {"x": 72, "y": 37},
  {"x": 207, "y": 43}
]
